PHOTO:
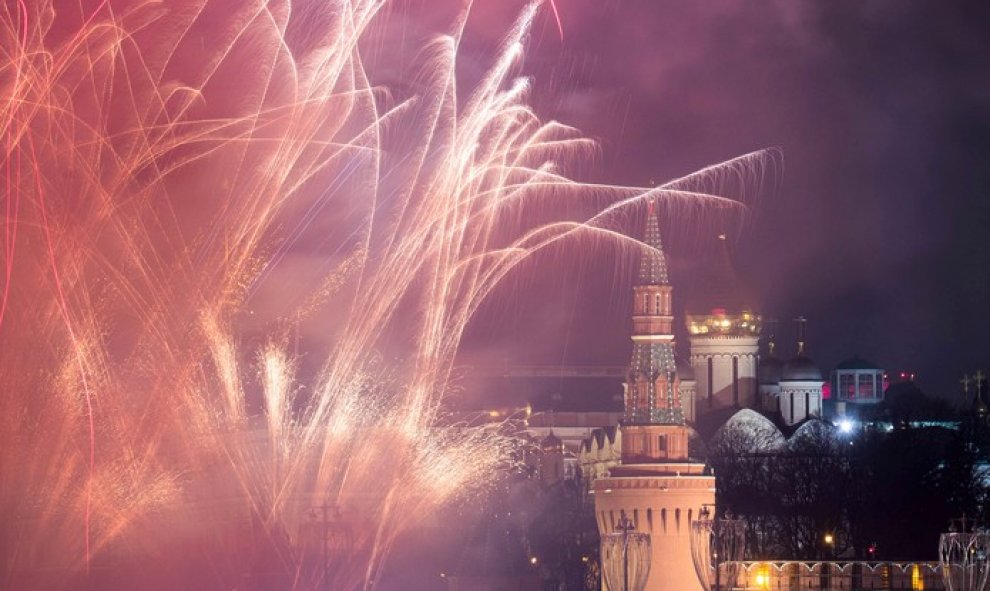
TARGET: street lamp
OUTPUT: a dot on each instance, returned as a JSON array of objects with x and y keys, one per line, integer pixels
[
  {"x": 826, "y": 567},
  {"x": 715, "y": 542},
  {"x": 963, "y": 556},
  {"x": 326, "y": 525},
  {"x": 626, "y": 556}
]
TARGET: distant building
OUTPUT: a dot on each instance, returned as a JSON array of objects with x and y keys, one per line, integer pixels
[
  {"x": 791, "y": 390},
  {"x": 552, "y": 461},
  {"x": 600, "y": 453},
  {"x": 854, "y": 385}
]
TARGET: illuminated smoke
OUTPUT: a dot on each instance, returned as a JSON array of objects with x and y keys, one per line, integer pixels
[{"x": 159, "y": 161}]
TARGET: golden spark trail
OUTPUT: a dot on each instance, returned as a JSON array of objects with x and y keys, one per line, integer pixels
[{"x": 195, "y": 188}]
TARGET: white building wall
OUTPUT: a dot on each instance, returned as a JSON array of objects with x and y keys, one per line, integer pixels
[
  {"x": 799, "y": 400},
  {"x": 717, "y": 383}
]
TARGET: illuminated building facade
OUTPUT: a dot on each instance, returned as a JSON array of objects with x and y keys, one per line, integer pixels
[
  {"x": 656, "y": 483},
  {"x": 857, "y": 381},
  {"x": 724, "y": 358}
]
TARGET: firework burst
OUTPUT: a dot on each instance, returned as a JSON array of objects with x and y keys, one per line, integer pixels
[{"x": 159, "y": 161}]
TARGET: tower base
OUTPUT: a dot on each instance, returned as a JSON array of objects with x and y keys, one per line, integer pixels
[{"x": 661, "y": 500}]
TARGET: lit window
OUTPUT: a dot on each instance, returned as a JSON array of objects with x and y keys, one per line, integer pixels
[{"x": 917, "y": 581}]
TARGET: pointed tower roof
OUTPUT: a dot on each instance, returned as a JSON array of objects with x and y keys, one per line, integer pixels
[
  {"x": 653, "y": 263},
  {"x": 653, "y": 395}
]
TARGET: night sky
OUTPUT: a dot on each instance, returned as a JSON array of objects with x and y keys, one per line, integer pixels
[{"x": 875, "y": 229}]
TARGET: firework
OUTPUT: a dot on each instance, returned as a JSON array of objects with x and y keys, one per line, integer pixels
[{"x": 159, "y": 161}]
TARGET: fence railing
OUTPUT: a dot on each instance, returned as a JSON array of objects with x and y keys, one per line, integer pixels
[{"x": 837, "y": 576}]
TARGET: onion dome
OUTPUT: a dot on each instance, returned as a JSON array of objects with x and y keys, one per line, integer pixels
[
  {"x": 770, "y": 370},
  {"x": 551, "y": 442},
  {"x": 800, "y": 369}
]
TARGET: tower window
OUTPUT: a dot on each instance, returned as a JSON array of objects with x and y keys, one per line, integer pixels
[{"x": 662, "y": 444}]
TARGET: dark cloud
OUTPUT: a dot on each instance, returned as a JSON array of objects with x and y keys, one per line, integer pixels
[{"x": 876, "y": 230}]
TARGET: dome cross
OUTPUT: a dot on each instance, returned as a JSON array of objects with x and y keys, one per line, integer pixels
[{"x": 966, "y": 381}]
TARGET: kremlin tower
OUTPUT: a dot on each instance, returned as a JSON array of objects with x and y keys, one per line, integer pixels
[{"x": 656, "y": 484}]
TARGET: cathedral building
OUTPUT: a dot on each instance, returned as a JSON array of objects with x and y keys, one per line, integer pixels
[
  {"x": 724, "y": 335},
  {"x": 792, "y": 390}
]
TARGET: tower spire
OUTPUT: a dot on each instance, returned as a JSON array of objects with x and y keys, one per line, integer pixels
[
  {"x": 653, "y": 263},
  {"x": 652, "y": 386}
]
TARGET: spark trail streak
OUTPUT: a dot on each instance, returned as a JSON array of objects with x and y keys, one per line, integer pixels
[{"x": 161, "y": 162}]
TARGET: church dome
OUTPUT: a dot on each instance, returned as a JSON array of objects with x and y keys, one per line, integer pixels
[
  {"x": 551, "y": 442},
  {"x": 800, "y": 369},
  {"x": 771, "y": 370}
]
